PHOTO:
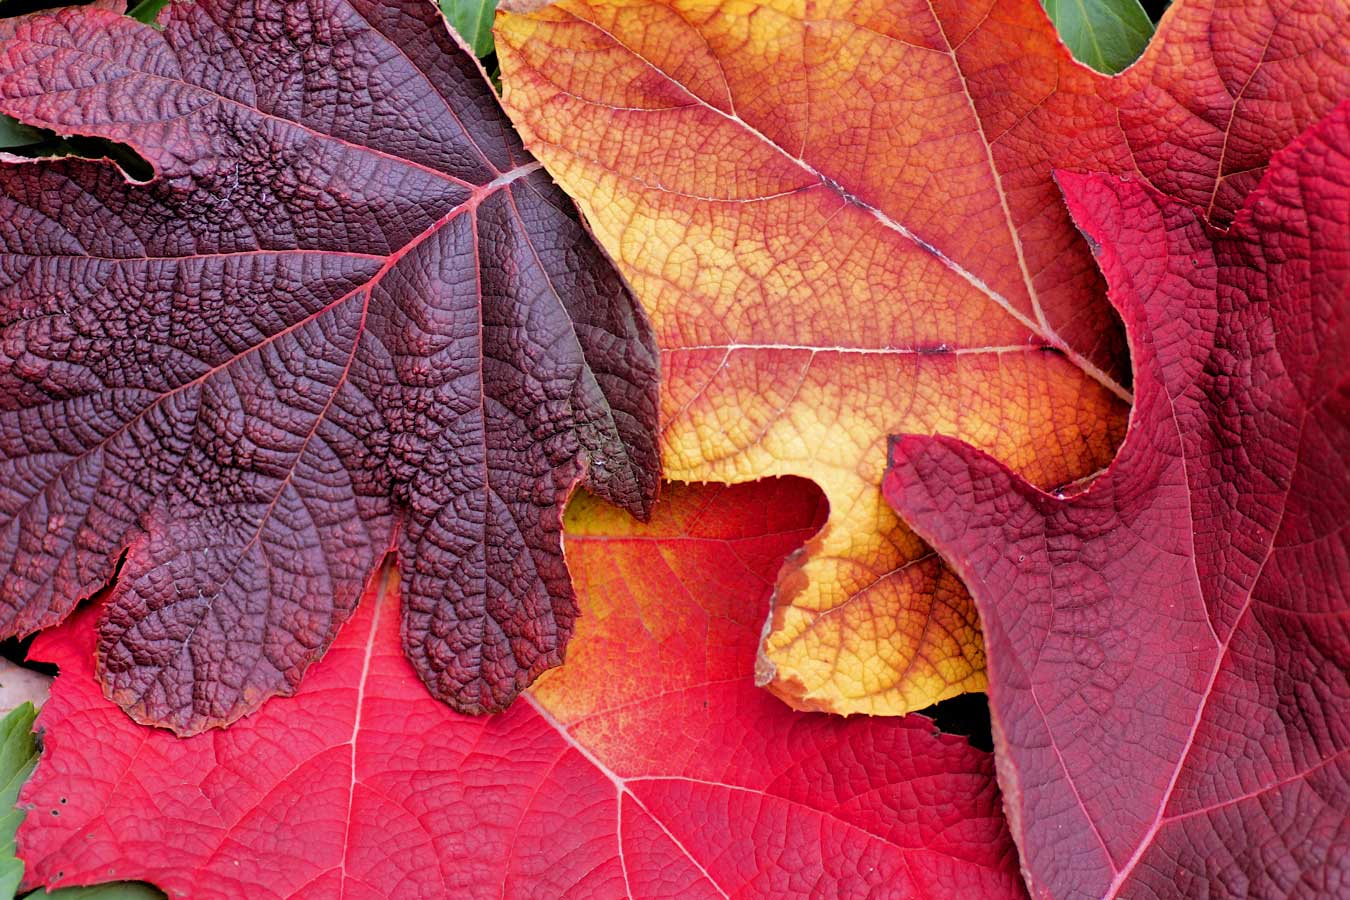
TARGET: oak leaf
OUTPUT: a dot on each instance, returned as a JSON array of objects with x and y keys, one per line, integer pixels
[
  {"x": 840, "y": 217},
  {"x": 647, "y": 766},
  {"x": 1169, "y": 650},
  {"x": 349, "y": 314}
]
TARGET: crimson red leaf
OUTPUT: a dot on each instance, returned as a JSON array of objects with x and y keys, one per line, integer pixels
[
  {"x": 1169, "y": 651},
  {"x": 648, "y": 766},
  {"x": 350, "y": 313}
]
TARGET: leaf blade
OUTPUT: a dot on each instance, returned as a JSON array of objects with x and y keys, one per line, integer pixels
[
  {"x": 678, "y": 776},
  {"x": 473, "y": 20},
  {"x": 18, "y": 756},
  {"x": 147, "y": 11},
  {"x": 314, "y": 331},
  {"x": 14, "y": 134},
  {"x": 1205, "y": 610}
]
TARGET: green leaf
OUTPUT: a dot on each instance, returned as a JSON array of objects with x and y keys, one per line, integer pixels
[
  {"x": 473, "y": 20},
  {"x": 14, "y": 134},
  {"x": 1107, "y": 35},
  {"x": 18, "y": 755},
  {"x": 146, "y": 10}
]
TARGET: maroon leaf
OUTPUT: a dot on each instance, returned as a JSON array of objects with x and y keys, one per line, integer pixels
[
  {"x": 351, "y": 314},
  {"x": 1169, "y": 650}
]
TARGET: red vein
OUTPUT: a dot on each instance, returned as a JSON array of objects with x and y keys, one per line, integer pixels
[{"x": 620, "y": 786}]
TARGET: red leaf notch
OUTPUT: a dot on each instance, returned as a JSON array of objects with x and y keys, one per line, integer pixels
[
  {"x": 351, "y": 314},
  {"x": 1169, "y": 649}
]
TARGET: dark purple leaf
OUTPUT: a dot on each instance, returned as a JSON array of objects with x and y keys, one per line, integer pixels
[{"x": 349, "y": 315}]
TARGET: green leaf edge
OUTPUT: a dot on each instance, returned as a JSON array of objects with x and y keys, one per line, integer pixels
[
  {"x": 472, "y": 19},
  {"x": 1107, "y": 35}
]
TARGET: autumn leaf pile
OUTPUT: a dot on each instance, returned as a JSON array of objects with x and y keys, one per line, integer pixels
[{"x": 968, "y": 368}]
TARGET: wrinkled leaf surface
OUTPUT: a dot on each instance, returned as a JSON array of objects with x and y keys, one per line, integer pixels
[
  {"x": 1170, "y": 650},
  {"x": 349, "y": 314}
]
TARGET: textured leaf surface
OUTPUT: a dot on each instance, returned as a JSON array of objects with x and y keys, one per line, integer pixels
[
  {"x": 1169, "y": 651},
  {"x": 349, "y": 314},
  {"x": 648, "y": 766},
  {"x": 1106, "y": 34},
  {"x": 18, "y": 756},
  {"x": 841, "y": 219}
]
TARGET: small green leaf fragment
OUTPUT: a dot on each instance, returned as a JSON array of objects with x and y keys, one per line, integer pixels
[
  {"x": 119, "y": 890},
  {"x": 15, "y": 134},
  {"x": 1107, "y": 35},
  {"x": 473, "y": 20},
  {"x": 147, "y": 10},
  {"x": 18, "y": 755}
]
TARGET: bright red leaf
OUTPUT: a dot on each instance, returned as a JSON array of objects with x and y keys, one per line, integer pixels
[
  {"x": 648, "y": 766},
  {"x": 350, "y": 314},
  {"x": 1169, "y": 650}
]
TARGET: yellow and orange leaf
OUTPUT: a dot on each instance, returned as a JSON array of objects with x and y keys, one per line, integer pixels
[{"x": 842, "y": 220}]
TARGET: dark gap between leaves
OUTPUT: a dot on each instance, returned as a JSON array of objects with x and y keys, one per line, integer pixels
[
  {"x": 966, "y": 716},
  {"x": 48, "y": 144},
  {"x": 16, "y": 649}
]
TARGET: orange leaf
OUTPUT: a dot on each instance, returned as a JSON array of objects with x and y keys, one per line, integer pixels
[{"x": 841, "y": 217}]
